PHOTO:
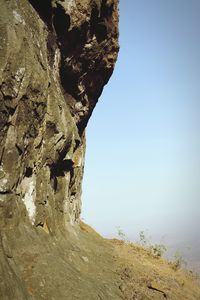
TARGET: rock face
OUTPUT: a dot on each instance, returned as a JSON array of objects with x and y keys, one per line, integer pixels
[{"x": 55, "y": 58}]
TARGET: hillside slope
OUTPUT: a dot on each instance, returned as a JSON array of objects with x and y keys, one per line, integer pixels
[
  {"x": 80, "y": 264},
  {"x": 142, "y": 276}
]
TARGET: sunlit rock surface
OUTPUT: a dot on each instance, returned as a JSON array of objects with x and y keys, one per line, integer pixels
[{"x": 55, "y": 58}]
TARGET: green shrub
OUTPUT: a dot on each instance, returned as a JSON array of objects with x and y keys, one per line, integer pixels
[
  {"x": 121, "y": 233},
  {"x": 178, "y": 261},
  {"x": 158, "y": 250}
]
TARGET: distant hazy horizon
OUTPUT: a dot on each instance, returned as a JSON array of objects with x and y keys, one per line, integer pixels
[{"x": 142, "y": 166}]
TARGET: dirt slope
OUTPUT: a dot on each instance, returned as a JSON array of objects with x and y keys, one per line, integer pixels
[
  {"x": 80, "y": 264},
  {"x": 143, "y": 276}
]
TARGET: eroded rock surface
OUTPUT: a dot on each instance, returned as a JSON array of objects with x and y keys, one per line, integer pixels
[{"x": 55, "y": 58}]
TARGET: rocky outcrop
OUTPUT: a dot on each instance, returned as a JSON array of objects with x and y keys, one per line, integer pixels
[{"x": 55, "y": 58}]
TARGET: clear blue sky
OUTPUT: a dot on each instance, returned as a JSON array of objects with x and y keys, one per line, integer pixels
[{"x": 143, "y": 149}]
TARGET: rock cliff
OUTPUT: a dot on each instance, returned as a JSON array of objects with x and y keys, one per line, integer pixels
[{"x": 55, "y": 58}]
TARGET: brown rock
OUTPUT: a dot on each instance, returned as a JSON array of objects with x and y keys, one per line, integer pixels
[{"x": 55, "y": 58}]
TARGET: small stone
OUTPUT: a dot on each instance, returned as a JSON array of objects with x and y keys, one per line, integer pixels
[{"x": 85, "y": 259}]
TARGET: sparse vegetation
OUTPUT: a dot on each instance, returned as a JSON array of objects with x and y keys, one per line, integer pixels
[
  {"x": 143, "y": 238},
  {"x": 121, "y": 233},
  {"x": 178, "y": 261},
  {"x": 156, "y": 250}
]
